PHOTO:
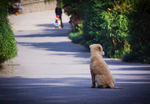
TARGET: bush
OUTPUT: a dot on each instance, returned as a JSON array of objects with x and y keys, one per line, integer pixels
[
  {"x": 121, "y": 26},
  {"x": 107, "y": 27},
  {"x": 139, "y": 32},
  {"x": 75, "y": 37},
  {"x": 76, "y": 10},
  {"x": 7, "y": 42}
]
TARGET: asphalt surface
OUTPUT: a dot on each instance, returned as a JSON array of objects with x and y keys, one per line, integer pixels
[{"x": 49, "y": 69}]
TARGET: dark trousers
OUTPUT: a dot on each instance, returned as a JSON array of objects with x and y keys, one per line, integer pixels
[{"x": 61, "y": 21}]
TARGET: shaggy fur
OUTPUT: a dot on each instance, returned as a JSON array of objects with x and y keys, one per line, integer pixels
[{"x": 99, "y": 69}]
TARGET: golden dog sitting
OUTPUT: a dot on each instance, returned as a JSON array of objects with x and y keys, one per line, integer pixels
[{"x": 99, "y": 70}]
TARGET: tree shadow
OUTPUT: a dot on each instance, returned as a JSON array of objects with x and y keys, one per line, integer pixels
[
  {"x": 55, "y": 46},
  {"x": 138, "y": 68},
  {"x": 70, "y": 90},
  {"x": 43, "y": 34},
  {"x": 85, "y": 54},
  {"x": 66, "y": 46},
  {"x": 112, "y": 61},
  {"x": 48, "y": 31},
  {"x": 46, "y": 25},
  {"x": 66, "y": 25}
]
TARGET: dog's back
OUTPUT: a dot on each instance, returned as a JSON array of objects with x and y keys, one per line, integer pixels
[{"x": 100, "y": 69}]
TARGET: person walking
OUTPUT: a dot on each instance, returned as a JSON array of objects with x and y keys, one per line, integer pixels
[{"x": 58, "y": 12}]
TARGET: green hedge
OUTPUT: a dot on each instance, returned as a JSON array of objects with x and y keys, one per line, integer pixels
[
  {"x": 121, "y": 26},
  {"x": 107, "y": 27},
  {"x": 139, "y": 32},
  {"x": 7, "y": 42}
]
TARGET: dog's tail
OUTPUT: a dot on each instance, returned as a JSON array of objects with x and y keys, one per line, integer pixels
[{"x": 116, "y": 87}]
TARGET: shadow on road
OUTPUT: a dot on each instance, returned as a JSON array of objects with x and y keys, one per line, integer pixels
[
  {"x": 69, "y": 91},
  {"x": 54, "y": 46},
  {"x": 48, "y": 31},
  {"x": 58, "y": 46}
]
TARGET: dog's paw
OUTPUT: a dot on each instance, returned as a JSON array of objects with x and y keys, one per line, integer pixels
[
  {"x": 100, "y": 86},
  {"x": 92, "y": 86}
]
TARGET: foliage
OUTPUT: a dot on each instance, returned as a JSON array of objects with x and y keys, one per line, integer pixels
[
  {"x": 76, "y": 36},
  {"x": 107, "y": 27},
  {"x": 7, "y": 42},
  {"x": 121, "y": 26},
  {"x": 139, "y": 32},
  {"x": 76, "y": 10}
]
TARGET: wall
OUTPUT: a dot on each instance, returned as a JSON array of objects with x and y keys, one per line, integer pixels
[{"x": 37, "y": 5}]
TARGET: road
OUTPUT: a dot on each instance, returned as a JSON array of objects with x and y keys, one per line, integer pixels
[{"x": 49, "y": 69}]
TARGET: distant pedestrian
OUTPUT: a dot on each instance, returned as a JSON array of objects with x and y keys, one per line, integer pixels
[
  {"x": 57, "y": 22},
  {"x": 19, "y": 5},
  {"x": 58, "y": 12}
]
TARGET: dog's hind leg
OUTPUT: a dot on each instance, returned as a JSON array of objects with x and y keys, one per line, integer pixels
[
  {"x": 93, "y": 79},
  {"x": 100, "y": 82}
]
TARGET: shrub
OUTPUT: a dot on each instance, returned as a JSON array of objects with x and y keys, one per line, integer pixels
[
  {"x": 139, "y": 32},
  {"x": 121, "y": 26},
  {"x": 75, "y": 37},
  {"x": 76, "y": 10},
  {"x": 107, "y": 27},
  {"x": 7, "y": 42}
]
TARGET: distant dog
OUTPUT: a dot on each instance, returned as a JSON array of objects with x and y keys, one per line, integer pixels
[{"x": 99, "y": 69}]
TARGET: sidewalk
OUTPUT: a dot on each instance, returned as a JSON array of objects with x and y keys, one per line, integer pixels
[{"x": 49, "y": 69}]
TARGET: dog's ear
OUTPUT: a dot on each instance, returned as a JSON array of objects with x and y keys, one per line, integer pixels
[{"x": 100, "y": 48}]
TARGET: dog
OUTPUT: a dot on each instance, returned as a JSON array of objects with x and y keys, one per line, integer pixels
[{"x": 99, "y": 70}]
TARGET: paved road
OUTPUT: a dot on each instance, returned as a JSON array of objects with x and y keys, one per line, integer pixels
[{"x": 49, "y": 69}]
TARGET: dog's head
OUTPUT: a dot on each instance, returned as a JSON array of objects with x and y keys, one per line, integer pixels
[{"x": 97, "y": 47}]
